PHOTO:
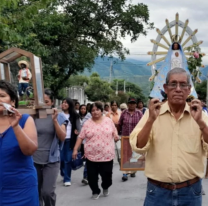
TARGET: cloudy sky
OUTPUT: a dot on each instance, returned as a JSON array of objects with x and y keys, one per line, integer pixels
[{"x": 193, "y": 10}]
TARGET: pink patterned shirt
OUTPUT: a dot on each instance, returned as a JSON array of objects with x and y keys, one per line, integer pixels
[{"x": 99, "y": 146}]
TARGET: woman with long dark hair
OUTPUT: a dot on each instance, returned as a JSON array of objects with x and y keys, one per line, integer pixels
[
  {"x": 50, "y": 130},
  {"x": 84, "y": 116},
  {"x": 73, "y": 128}
]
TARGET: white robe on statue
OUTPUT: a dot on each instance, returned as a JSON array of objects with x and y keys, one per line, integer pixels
[{"x": 176, "y": 59}]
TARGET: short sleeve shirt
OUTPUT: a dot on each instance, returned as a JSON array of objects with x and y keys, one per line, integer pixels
[{"x": 99, "y": 146}]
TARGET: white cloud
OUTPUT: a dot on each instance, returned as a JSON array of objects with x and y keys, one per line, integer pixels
[{"x": 159, "y": 10}]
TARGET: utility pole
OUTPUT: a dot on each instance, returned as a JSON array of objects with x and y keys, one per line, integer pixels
[
  {"x": 124, "y": 86},
  {"x": 117, "y": 88}
]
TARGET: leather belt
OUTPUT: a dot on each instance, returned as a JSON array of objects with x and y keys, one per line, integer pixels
[{"x": 174, "y": 186}]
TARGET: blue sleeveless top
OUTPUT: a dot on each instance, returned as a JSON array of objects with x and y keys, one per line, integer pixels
[{"x": 18, "y": 177}]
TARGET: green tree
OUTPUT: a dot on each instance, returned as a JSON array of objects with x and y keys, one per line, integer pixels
[
  {"x": 131, "y": 89},
  {"x": 16, "y": 17},
  {"x": 121, "y": 97},
  {"x": 97, "y": 89},
  {"x": 201, "y": 90},
  {"x": 69, "y": 40},
  {"x": 78, "y": 80}
]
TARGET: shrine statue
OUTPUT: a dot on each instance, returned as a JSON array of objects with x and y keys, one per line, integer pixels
[
  {"x": 175, "y": 58},
  {"x": 24, "y": 77}
]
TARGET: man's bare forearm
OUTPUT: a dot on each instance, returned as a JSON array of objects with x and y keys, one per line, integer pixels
[{"x": 143, "y": 136}]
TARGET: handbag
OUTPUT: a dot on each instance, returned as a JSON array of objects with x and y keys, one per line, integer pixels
[{"x": 78, "y": 162}]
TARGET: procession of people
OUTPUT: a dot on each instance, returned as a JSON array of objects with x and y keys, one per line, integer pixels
[
  {"x": 167, "y": 137},
  {"x": 42, "y": 147}
]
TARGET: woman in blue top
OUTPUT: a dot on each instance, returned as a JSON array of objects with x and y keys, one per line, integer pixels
[{"x": 18, "y": 141}]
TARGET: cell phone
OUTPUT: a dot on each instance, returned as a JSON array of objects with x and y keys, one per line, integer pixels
[{"x": 7, "y": 110}]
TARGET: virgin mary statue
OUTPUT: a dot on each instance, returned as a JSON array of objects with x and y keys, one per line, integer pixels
[{"x": 174, "y": 58}]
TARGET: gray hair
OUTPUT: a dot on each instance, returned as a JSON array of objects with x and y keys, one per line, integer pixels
[{"x": 177, "y": 70}]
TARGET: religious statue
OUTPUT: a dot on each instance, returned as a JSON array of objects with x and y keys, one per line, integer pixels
[
  {"x": 174, "y": 58},
  {"x": 24, "y": 77}
]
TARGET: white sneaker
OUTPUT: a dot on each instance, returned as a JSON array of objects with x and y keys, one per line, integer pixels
[
  {"x": 96, "y": 196},
  {"x": 105, "y": 193},
  {"x": 67, "y": 184}
]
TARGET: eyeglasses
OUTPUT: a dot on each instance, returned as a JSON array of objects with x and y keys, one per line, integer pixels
[{"x": 181, "y": 85}]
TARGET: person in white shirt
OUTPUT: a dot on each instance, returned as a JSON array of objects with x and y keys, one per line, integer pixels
[{"x": 72, "y": 130}]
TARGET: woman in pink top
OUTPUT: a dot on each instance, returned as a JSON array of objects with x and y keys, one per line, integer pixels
[{"x": 100, "y": 134}]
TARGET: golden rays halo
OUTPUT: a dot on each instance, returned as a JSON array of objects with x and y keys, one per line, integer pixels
[{"x": 167, "y": 36}]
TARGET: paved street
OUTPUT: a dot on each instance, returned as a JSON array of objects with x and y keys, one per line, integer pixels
[{"x": 131, "y": 192}]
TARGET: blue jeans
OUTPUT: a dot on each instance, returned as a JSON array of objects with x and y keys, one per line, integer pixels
[
  {"x": 22, "y": 88},
  {"x": 66, "y": 160},
  {"x": 187, "y": 196}
]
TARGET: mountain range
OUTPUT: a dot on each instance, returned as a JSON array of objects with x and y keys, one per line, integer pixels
[{"x": 132, "y": 70}]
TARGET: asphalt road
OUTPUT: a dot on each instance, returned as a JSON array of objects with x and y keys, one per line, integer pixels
[{"x": 130, "y": 193}]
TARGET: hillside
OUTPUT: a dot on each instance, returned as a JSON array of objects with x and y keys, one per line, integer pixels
[
  {"x": 204, "y": 72},
  {"x": 131, "y": 70}
]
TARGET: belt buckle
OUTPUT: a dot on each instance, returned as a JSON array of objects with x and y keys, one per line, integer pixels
[{"x": 173, "y": 185}]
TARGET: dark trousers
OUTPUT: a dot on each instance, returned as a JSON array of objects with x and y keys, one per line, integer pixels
[
  {"x": 22, "y": 88},
  {"x": 104, "y": 169},
  {"x": 66, "y": 161},
  {"x": 85, "y": 166},
  {"x": 187, "y": 196},
  {"x": 85, "y": 172},
  {"x": 47, "y": 176}
]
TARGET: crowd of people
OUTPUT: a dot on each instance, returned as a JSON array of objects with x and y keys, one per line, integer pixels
[
  {"x": 46, "y": 147},
  {"x": 34, "y": 152}
]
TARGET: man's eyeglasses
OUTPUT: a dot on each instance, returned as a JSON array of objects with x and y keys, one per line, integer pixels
[{"x": 181, "y": 85}]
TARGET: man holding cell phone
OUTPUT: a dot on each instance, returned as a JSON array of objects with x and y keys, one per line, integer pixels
[{"x": 174, "y": 138}]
